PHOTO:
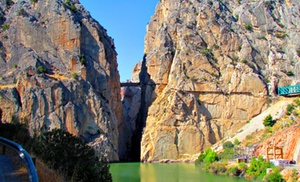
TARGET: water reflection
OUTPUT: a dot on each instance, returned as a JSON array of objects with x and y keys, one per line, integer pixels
[{"x": 140, "y": 172}]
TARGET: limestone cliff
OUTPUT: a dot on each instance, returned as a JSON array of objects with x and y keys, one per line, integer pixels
[
  {"x": 58, "y": 70},
  {"x": 216, "y": 64}
]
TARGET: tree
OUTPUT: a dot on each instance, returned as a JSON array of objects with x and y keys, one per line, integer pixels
[
  {"x": 75, "y": 160},
  {"x": 268, "y": 121},
  {"x": 236, "y": 141},
  {"x": 209, "y": 156},
  {"x": 228, "y": 144},
  {"x": 274, "y": 176},
  {"x": 258, "y": 167}
]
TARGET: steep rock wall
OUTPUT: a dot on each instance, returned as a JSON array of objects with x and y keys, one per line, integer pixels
[
  {"x": 215, "y": 64},
  {"x": 58, "y": 70}
]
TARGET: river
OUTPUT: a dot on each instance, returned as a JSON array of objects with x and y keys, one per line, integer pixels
[{"x": 175, "y": 172}]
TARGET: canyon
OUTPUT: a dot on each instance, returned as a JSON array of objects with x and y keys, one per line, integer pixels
[{"x": 209, "y": 67}]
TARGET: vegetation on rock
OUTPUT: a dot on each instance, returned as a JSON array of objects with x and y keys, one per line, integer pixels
[
  {"x": 61, "y": 151},
  {"x": 71, "y": 156},
  {"x": 268, "y": 121}
]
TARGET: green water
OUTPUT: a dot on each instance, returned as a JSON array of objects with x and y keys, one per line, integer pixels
[{"x": 144, "y": 172}]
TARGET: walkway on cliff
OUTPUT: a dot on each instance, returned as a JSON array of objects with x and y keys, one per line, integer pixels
[
  {"x": 277, "y": 111},
  {"x": 9, "y": 171}
]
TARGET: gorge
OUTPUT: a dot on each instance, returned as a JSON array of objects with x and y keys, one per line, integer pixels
[{"x": 209, "y": 67}]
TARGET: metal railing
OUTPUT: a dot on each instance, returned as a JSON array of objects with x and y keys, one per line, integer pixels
[
  {"x": 23, "y": 154},
  {"x": 294, "y": 89}
]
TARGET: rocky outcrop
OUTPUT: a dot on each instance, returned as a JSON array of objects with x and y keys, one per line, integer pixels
[
  {"x": 287, "y": 139},
  {"x": 58, "y": 70},
  {"x": 216, "y": 64}
]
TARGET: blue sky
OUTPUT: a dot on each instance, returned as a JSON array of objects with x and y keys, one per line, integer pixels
[{"x": 125, "y": 21}]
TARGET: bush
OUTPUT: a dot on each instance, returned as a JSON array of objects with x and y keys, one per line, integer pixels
[
  {"x": 297, "y": 102},
  {"x": 82, "y": 59},
  {"x": 5, "y": 26},
  {"x": 248, "y": 27},
  {"x": 73, "y": 8},
  {"x": 74, "y": 75},
  {"x": 228, "y": 144},
  {"x": 73, "y": 159},
  {"x": 243, "y": 166},
  {"x": 274, "y": 176},
  {"x": 236, "y": 141},
  {"x": 41, "y": 69},
  {"x": 290, "y": 108},
  {"x": 268, "y": 121},
  {"x": 209, "y": 156},
  {"x": 233, "y": 171},
  {"x": 290, "y": 73},
  {"x": 227, "y": 154},
  {"x": 258, "y": 167},
  {"x": 215, "y": 168}
]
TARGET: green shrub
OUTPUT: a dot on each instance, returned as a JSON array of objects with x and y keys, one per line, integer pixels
[
  {"x": 206, "y": 51},
  {"x": 82, "y": 59},
  {"x": 297, "y": 102},
  {"x": 228, "y": 144},
  {"x": 41, "y": 69},
  {"x": 75, "y": 160},
  {"x": 233, "y": 171},
  {"x": 73, "y": 8},
  {"x": 258, "y": 167},
  {"x": 290, "y": 108},
  {"x": 226, "y": 154},
  {"x": 274, "y": 176},
  {"x": 268, "y": 121},
  {"x": 5, "y": 26},
  {"x": 34, "y": 1},
  {"x": 269, "y": 129},
  {"x": 74, "y": 75},
  {"x": 249, "y": 137},
  {"x": 15, "y": 66},
  {"x": 290, "y": 73},
  {"x": 215, "y": 168},
  {"x": 280, "y": 35},
  {"x": 248, "y": 27},
  {"x": 243, "y": 166},
  {"x": 298, "y": 52},
  {"x": 236, "y": 141},
  {"x": 209, "y": 156}
]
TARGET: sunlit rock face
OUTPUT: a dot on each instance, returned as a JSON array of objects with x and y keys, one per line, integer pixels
[
  {"x": 59, "y": 70},
  {"x": 215, "y": 64}
]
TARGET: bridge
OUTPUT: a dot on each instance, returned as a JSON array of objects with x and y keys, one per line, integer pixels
[
  {"x": 289, "y": 90},
  {"x": 7, "y": 167},
  {"x": 130, "y": 84},
  {"x": 137, "y": 84}
]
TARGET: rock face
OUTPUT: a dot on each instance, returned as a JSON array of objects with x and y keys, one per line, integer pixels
[
  {"x": 215, "y": 65},
  {"x": 288, "y": 139},
  {"x": 58, "y": 70}
]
